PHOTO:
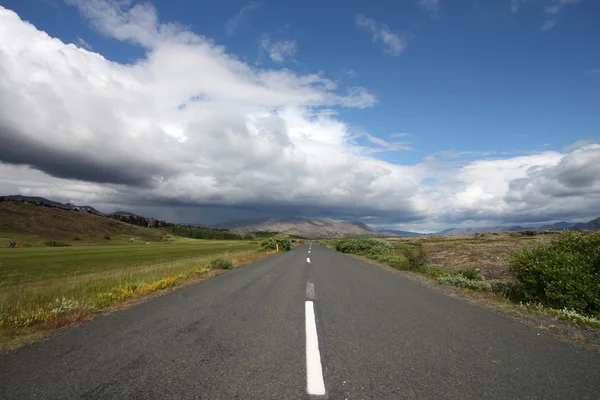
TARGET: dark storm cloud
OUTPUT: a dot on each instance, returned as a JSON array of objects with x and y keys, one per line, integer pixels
[{"x": 86, "y": 165}]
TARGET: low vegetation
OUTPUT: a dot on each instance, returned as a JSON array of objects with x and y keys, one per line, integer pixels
[
  {"x": 44, "y": 288},
  {"x": 565, "y": 274},
  {"x": 409, "y": 259},
  {"x": 196, "y": 232},
  {"x": 280, "y": 241}
]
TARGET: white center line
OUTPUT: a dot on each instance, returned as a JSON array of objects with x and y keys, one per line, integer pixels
[
  {"x": 310, "y": 291},
  {"x": 314, "y": 371},
  {"x": 308, "y": 260},
  {"x": 309, "y": 252}
]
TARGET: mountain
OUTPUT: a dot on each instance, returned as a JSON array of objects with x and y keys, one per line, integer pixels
[
  {"x": 467, "y": 231},
  {"x": 52, "y": 203},
  {"x": 399, "y": 233},
  {"x": 559, "y": 226},
  {"x": 34, "y": 222},
  {"x": 127, "y": 213},
  {"x": 593, "y": 224},
  {"x": 301, "y": 226}
]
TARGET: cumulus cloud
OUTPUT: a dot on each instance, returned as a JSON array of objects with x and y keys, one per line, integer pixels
[
  {"x": 190, "y": 127},
  {"x": 393, "y": 43},
  {"x": 277, "y": 50},
  {"x": 233, "y": 23}
]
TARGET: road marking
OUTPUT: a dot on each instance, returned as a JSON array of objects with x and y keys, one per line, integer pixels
[
  {"x": 310, "y": 291},
  {"x": 308, "y": 260},
  {"x": 314, "y": 371},
  {"x": 309, "y": 252}
]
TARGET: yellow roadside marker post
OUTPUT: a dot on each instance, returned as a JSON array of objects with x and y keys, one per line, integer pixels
[{"x": 277, "y": 247}]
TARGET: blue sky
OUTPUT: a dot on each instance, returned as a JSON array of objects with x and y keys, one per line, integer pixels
[{"x": 458, "y": 82}]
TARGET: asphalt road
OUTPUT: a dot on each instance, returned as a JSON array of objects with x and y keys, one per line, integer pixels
[{"x": 250, "y": 334}]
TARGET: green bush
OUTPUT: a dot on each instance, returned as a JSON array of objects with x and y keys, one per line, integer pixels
[
  {"x": 459, "y": 280},
  {"x": 471, "y": 274},
  {"x": 54, "y": 243},
  {"x": 270, "y": 244},
  {"x": 364, "y": 246},
  {"x": 220, "y": 263},
  {"x": 562, "y": 274},
  {"x": 417, "y": 259},
  {"x": 106, "y": 237},
  {"x": 394, "y": 261}
]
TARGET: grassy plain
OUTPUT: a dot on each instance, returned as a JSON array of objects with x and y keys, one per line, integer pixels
[{"x": 42, "y": 288}]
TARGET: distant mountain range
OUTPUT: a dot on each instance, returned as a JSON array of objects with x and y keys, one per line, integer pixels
[
  {"x": 399, "y": 233},
  {"x": 311, "y": 227},
  {"x": 302, "y": 226},
  {"x": 558, "y": 226},
  {"x": 43, "y": 200}
]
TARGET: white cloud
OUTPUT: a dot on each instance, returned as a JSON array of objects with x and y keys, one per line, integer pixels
[
  {"x": 549, "y": 24},
  {"x": 431, "y": 6},
  {"x": 555, "y": 6},
  {"x": 400, "y": 135},
  {"x": 592, "y": 71},
  {"x": 277, "y": 50},
  {"x": 384, "y": 145},
  {"x": 83, "y": 43},
  {"x": 233, "y": 23},
  {"x": 393, "y": 43},
  {"x": 190, "y": 124},
  {"x": 580, "y": 143}
]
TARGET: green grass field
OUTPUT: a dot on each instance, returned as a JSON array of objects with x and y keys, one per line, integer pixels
[
  {"x": 34, "y": 264},
  {"x": 42, "y": 288}
]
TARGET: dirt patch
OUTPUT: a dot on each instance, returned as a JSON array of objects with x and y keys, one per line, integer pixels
[{"x": 489, "y": 252}]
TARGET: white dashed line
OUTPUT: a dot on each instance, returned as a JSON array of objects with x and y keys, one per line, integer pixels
[
  {"x": 315, "y": 385},
  {"x": 310, "y": 291},
  {"x": 308, "y": 260}
]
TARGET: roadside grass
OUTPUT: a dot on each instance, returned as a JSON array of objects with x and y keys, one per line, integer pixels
[
  {"x": 35, "y": 264},
  {"x": 44, "y": 299}
]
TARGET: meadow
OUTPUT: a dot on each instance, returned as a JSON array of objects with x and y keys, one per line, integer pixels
[{"x": 42, "y": 288}]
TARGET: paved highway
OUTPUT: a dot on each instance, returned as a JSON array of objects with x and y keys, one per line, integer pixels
[{"x": 302, "y": 325}]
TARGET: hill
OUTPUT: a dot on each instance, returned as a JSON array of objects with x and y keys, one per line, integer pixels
[
  {"x": 558, "y": 226},
  {"x": 52, "y": 203},
  {"x": 30, "y": 224},
  {"x": 394, "y": 232},
  {"x": 301, "y": 226}
]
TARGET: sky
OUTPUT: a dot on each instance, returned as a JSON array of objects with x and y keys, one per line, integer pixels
[{"x": 416, "y": 114}]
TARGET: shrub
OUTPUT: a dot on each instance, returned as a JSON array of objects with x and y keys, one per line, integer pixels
[
  {"x": 106, "y": 237},
  {"x": 564, "y": 274},
  {"x": 54, "y": 243},
  {"x": 220, "y": 263},
  {"x": 417, "y": 259},
  {"x": 394, "y": 261},
  {"x": 492, "y": 285},
  {"x": 364, "y": 246},
  {"x": 471, "y": 274},
  {"x": 270, "y": 244}
]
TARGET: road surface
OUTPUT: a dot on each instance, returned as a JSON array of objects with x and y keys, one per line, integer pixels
[{"x": 302, "y": 325}]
